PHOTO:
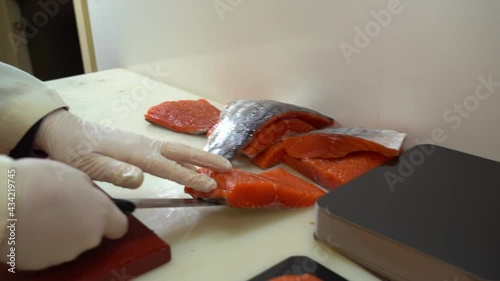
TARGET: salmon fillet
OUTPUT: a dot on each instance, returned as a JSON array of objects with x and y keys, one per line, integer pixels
[
  {"x": 291, "y": 277},
  {"x": 338, "y": 142},
  {"x": 184, "y": 116},
  {"x": 273, "y": 189},
  {"x": 332, "y": 173},
  {"x": 273, "y": 132}
]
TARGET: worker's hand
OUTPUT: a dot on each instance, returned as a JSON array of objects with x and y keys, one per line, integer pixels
[
  {"x": 121, "y": 157},
  {"x": 60, "y": 214}
]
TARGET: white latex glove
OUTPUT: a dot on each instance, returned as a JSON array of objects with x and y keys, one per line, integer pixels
[
  {"x": 120, "y": 157},
  {"x": 59, "y": 215}
]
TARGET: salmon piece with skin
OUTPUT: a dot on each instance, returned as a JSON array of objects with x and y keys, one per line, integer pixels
[
  {"x": 274, "y": 189},
  {"x": 192, "y": 117},
  {"x": 332, "y": 173},
  {"x": 338, "y": 142},
  {"x": 331, "y": 143},
  {"x": 240, "y": 120}
]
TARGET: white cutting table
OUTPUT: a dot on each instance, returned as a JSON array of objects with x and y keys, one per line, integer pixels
[{"x": 207, "y": 243}]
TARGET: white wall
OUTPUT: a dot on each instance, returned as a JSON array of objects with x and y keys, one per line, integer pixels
[{"x": 428, "y": 59}]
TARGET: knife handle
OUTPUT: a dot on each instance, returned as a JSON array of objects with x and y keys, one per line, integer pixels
[{"x": 127, "y": 207}]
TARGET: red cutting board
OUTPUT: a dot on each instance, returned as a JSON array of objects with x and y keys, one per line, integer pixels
[{"x": 139, "y": 251}]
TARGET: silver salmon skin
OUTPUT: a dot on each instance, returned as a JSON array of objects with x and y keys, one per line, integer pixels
[{"x": 241, "y": 119}]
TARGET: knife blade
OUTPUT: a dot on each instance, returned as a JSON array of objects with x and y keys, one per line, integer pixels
[{"x": 130, "y": 204}]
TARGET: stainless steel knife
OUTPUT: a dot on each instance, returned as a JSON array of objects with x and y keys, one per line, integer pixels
[{"x": 129, "y": 205}]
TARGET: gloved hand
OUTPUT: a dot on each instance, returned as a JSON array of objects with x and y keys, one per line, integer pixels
[
  {"x": 121, "y": 157},
  {"x": 59, "y": 215}
]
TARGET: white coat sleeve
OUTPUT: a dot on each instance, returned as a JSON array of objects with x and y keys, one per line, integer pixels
[
  {"x": 24, "y": 100},
  {"x": 4, "y": 167}
]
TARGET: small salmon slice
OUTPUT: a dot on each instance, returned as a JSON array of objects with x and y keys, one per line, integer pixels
[
  {"x": 338, "y": 142},
  {"x": 332, "y": 173},
  {"x": 273, "y": 132},
  {"x": 273, "y": 189},
  {"x": 291, "y": 277},
  {"x": 192, "y": 117}
]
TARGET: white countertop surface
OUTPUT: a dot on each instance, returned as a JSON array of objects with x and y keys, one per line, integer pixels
[{"x": 207, "y": 243}]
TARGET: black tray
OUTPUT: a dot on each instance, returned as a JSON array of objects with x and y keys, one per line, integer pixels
[{"x": 298, "y": 265}]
